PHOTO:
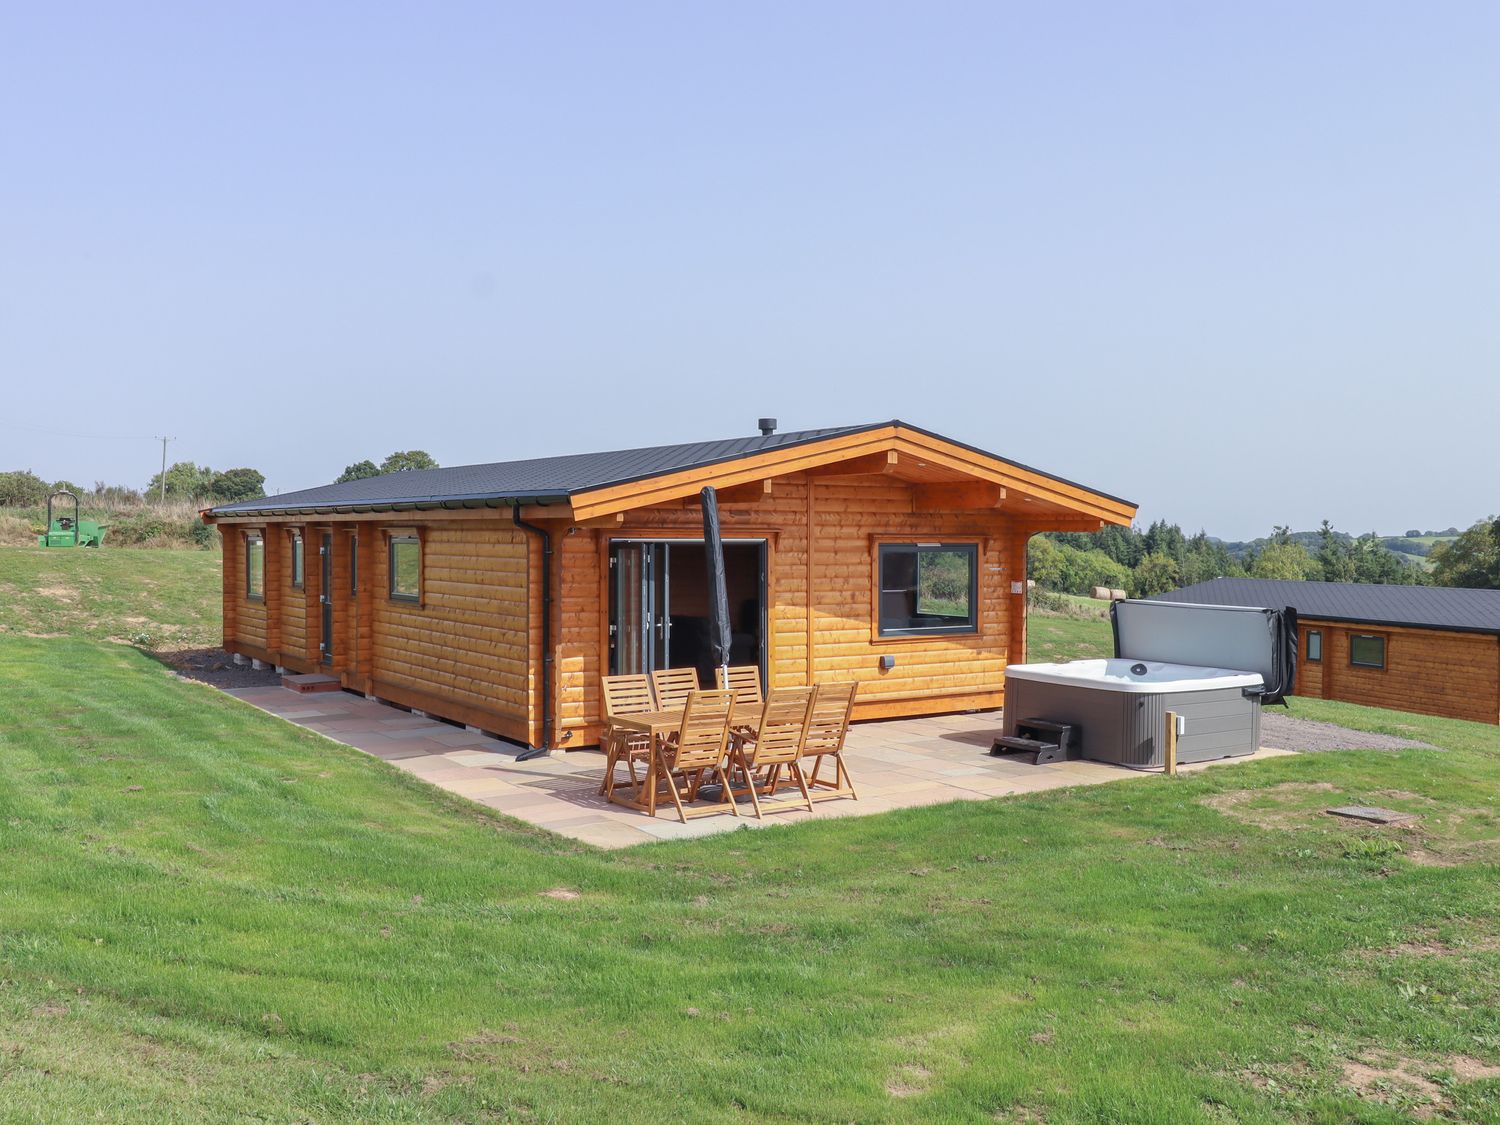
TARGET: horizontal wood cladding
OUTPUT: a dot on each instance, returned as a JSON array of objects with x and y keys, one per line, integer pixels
[
  {"x": 469, "y": 639},
  {"x": 931, "y": 674},
  {"x": 244, "y": 617},
  {"x": 1429, "y": 671},
  {"x": 293, "y": 599}
]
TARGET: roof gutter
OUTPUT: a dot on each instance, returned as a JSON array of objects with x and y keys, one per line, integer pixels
[
  {"x": 426, "y": 504},
  {"x": 547, "y": 732}
]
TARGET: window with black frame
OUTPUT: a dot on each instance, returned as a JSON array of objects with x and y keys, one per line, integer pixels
[
  {"x": 255, "y": 567},
  {"x": 928, "y": 588},
  {"x": 406, "y": 569},
  {"x": 297, "y": 559},
  {"x": 1367, "y": 650}
]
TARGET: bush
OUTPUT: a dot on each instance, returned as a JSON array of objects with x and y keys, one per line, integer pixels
[
  {"x": 22, "y": 489},
  {"x": 203, "y": 535}
]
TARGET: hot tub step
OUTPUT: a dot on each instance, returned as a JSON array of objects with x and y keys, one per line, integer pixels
[{"x": 1039, "y": 741}]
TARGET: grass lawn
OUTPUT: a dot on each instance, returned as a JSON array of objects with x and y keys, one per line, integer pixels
[
  {"x": 206, "y": 913},
  {"x": 171, "y": 597},
  {"x": 1081, "y": 634}
]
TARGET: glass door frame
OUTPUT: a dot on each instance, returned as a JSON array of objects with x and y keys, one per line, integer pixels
[{"x": 656, "y": 584}]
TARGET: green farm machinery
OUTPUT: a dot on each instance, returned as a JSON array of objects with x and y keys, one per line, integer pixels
[{"x": 69, "y": 531}]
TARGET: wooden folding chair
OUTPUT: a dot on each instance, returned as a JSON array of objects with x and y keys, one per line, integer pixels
[
  {"x": 744, "y": 681},
  {"x": 673, "y": 686},
  {"x": 624, "y": 695},
  {"x": 773, "y": 743},
  {"x": 827, "y": 728},
  {"x": 700, "y": 747}
]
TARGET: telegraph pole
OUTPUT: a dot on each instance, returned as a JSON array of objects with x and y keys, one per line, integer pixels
[{"x": 164, "y": 441}]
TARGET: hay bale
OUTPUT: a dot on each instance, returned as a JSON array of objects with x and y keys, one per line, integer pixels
[{"x": 1101, "y": 593}]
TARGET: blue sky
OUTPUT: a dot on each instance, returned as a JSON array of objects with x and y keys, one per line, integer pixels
[{"x": 1237, "y": 263}]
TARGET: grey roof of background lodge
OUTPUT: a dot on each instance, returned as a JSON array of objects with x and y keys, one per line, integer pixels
[
  {"x": 553, "y": 479},
  {"x": 1422, "y": 607}
]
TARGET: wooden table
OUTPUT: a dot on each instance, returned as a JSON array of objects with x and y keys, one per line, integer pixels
[{"x": 658, "y": 725}]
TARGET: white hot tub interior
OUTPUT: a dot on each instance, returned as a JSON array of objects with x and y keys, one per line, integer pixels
[{"x": 1122, "y": 674}]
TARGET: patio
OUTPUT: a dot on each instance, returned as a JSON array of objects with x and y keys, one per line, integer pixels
[{"x": 898, "y": 763}]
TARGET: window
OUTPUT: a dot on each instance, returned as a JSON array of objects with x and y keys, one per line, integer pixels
[
  {"x": 928, "y": 588},
  {"x": 1314, "y": 646},
  {"x": 406, "y": 568},
  {"x": 255, "y": 567},
  {"x": 1367, "y": 651},
  {"x": 297, "y": 559}
]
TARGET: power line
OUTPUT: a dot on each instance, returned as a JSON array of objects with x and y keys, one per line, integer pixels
[{"x": 90, "y": 437}]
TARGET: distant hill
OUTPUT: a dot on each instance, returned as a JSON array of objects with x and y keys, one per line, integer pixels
[{"x": 1412, "y": 548}]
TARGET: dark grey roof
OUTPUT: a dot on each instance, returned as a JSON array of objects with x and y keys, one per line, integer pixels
[
  {"x": 543, "y": 480},
  {"x": 1422, "y": 607}
]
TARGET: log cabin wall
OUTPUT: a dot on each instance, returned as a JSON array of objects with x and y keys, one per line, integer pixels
[
  {"x": 297, "y": 650},
  {"x": 1429, "y": 671},
  {"x": 244, "y": 617},
  {"x": 849, "y": 516},
  {"x": 465, "y": 651}
]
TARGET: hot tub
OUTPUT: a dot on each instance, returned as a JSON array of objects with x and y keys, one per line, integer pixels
[
  {"x": 1119, "y": 715},
  {"x": 1211, "y": 666}
]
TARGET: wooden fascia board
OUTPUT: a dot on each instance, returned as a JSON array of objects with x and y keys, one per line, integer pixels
[
  {"x": 1073, "y": 497},
  {"x": 870, "y": 443},
  {"x": 773, "y": 463}
]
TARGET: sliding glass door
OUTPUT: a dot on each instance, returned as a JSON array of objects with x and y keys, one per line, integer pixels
[{"x": 658, "y": 605}]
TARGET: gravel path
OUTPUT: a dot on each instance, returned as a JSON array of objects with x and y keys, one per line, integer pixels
[
  {"x": 214, "y": 666},
  {"x": 1283, "y": 732}
]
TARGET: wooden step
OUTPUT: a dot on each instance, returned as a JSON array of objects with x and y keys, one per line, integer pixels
[{"x": 311, "y": 682}]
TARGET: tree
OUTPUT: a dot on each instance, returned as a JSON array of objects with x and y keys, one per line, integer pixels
[
  {"x": 1334, "y": 556},
  {"x": 1205, "y": 558},
  {"x": 185, "y": 480},
  {"x": 1472, "y": 560},
  {"x": 360, "y": 470},
  {"x": 1156, "y": 574},
  {"x": 237, "y": 484},
  {"x": 1284, "y": 560},
  {"x": 1044, "y": 564},
  {"x": 406, "y": 460},
  {"x": 1083, "y": 570}
]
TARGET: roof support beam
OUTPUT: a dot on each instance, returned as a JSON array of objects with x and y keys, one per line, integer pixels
[
  {"x": 746, "y": 493},
  {"x": 957, "y": 497},
  {"x": 875, "y": 464}
]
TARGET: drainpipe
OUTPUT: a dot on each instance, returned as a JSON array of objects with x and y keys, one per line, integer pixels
[{"x": 537, "y": 751}]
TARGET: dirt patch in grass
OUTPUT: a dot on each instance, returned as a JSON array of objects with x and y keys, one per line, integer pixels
[
  {"x": 1401, "y": 1081},
  {"x": 909, "y": 1080},
  {"x": 562, "y": 894},
  {"x": 1436, "y": 852},
  {"x": 1445, "y": 836},
  {"x": 1277, "y": 806},
  {"x": 482, "y": 1047},
  {"x": 1429, "y": 945}
]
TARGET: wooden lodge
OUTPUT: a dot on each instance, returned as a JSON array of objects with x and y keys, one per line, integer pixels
[
  {"x": 1429, "y": 649},
  {"x": 497, "y": 595}
]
